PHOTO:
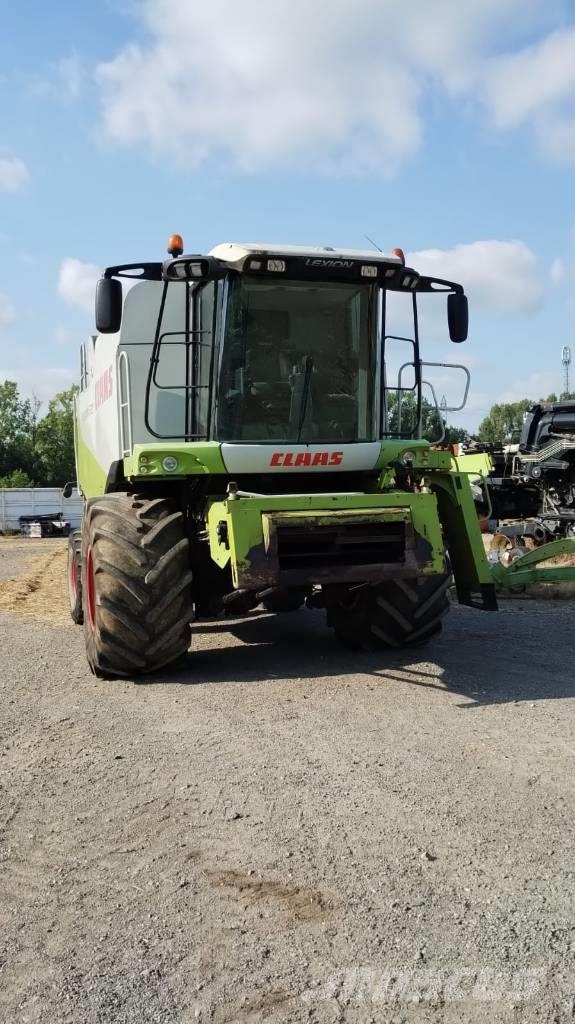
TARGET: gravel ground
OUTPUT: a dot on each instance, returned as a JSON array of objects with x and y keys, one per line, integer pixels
[
  {"x": 284, "y": 832},
  {"x": 16, "y": 555}
]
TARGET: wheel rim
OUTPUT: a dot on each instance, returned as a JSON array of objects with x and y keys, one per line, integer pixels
[{"x": 91, "y": 589}]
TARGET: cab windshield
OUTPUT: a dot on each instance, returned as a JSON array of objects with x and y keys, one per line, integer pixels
[{"x": 298, "y": 362}]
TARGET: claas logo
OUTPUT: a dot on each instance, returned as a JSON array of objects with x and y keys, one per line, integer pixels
[
  {"x": 104, "y": 387},
  {"x": 297, "y": 459}
]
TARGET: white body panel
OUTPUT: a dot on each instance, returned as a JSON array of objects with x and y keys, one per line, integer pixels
[
  {"x": 303, "y": 458},
  {"x": 107, "y": 430},
  {"x": 98, "y": 400}
]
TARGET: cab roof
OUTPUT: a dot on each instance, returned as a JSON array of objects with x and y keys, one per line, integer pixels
[{"x": 235, "y": 253}]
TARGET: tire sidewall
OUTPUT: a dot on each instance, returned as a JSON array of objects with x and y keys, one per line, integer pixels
[
  {"x": 89, "y": 628},
  {"x": 74, "y": 576}
]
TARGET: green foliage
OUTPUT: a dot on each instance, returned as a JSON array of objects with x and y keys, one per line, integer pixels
[
  {"x": 430, "y": 420},
  {"x": 17, "y": 478},
  {"x": 453, "y": 435},
  {"x": 18, "y": 418},
  {"x": 504, "y": 420},
  {"x": 35, "y": 452},
  {"x": 55, "y": 441}
]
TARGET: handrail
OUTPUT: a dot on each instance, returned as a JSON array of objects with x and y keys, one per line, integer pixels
[
  {"x": 454, "y": 366},
  {"x": 125, "y": 404}
]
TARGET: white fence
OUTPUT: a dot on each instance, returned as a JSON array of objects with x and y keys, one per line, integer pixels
[{"x": 41, "y": 501}]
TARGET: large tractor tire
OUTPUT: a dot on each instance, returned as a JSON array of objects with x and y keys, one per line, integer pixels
[
  {"x": 75, "y": 576},
  {"x": 395, "y": 613},
  {"x": 136, "y": 584}
]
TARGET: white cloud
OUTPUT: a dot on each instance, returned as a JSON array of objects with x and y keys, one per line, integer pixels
[
  {"x": 524, "y": 83},
  {"x": 77, "y": 283},
  {"x": 41, "y": 382},
  {"x": 327, "y": 86},
  {"x": 499, "y": 277},
  {"x": 318, "y": 85},
  {"x": 7, "y": 312},
  {"x": 13, "y": 173},
  {"x": 536, "y": 86},
  {"x": 557, "y": 271},
  {"x": 535, "y": 386}
]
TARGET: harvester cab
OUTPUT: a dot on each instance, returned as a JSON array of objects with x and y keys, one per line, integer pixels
[{"x": 247, "y": 434}]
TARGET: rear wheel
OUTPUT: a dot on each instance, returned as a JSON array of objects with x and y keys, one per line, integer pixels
[
  {"x": 395, "y": 613},
  {"x": 136, "y": 584},
  {"x": 75, "y": 576}
]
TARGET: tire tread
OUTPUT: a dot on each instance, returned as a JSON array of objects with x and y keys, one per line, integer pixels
[{"x": 143, "y": 584}]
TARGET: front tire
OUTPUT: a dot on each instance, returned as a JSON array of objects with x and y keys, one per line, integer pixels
[
  {"x": 392, "y": 614},
  {"x": 74, "y": 573},
  {"x": 136, "y": 584}
]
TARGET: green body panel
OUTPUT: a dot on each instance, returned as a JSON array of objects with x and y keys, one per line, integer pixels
[
  {"x": 441, "y": 515},
  {"x": 243, "y": 532},
  {"x": 205, "y": 457},
  {"x": 91, "y": 476},
  {"x": 479, "y": 464},
  {"x": 425, "y": 457},
  {"x": 525, "y": 570},
  {"x": 193, "y": 458},
  {"x": 462, "y": 533}
]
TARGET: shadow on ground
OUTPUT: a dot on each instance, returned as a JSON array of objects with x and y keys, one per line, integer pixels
[{"x": 523, "y": 653}]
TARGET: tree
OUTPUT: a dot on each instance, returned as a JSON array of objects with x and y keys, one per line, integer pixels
[
  {"x": 17, "y": 478},
  {"x": 18, "y": 419},
  {"x": 431, "y": 422},
  {"x": 453, "y": 435},
  {"x": 54, "y": 446},
  {"x": 503, "y": 420}
]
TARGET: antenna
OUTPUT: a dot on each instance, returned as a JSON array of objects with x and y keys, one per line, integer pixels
[
  {"x": 371, "y": 241},
  {"x": 566, "y": 361}
]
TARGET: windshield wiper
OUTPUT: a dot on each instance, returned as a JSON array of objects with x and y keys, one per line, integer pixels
[{"x": 304, "y": 395}]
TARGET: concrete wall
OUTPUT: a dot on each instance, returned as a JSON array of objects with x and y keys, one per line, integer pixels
[{"x": 29, "y": 501}]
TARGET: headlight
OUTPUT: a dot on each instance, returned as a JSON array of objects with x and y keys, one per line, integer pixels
[
  {"x": 408, "y": 458},
  {"x": 170, "y": 464}
]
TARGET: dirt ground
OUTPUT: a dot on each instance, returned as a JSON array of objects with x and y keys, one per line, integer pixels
[{"x": 281, "y": 831}]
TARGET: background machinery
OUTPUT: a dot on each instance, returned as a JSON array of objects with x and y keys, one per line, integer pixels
[{"x": 531, "y": 484}]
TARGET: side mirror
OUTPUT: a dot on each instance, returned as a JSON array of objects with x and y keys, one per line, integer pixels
[
  {"x": 108, "y": 305},
  {"x": 68, "y": 489},
  {"x": 457, "y": 316}
]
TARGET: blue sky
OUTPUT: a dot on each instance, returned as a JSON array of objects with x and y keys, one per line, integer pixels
[{"x": 444, "y": 128}]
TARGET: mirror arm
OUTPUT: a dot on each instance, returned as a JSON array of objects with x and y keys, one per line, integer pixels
[{"x": 148, "y": 271}]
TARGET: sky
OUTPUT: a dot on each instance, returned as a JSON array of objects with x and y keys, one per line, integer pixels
[{"x": 446, "y": 128}]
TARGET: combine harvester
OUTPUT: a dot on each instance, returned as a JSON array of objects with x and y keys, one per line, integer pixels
[{"x": 243, "y": 438}]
